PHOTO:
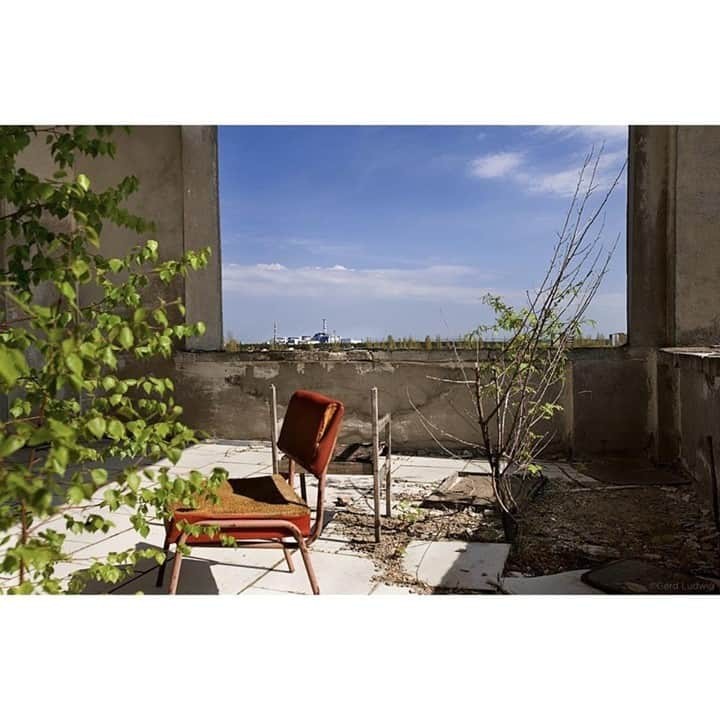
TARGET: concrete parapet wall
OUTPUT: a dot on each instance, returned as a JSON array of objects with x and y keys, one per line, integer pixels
[
  {"x": 692, "y": 428},
  {"x": 606, "y": 399},
  {"x": 612, "y": 401}
]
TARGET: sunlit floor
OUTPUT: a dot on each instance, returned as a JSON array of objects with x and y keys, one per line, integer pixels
[{"x": 340, "y": 569}]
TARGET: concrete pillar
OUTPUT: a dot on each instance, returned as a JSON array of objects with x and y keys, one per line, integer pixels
[
  {"x": 673, "y": 240},
  {"x": 201, "y": 228},
  {"x": 650, "y": 236},
  {"x": 697, "y": 249}
]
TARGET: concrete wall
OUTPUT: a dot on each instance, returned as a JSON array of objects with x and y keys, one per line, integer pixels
[
  {"x": 613, "y": 399},
  {"x": 227, "y": 394},
  {"x": 673, "y": 243},
  {"x": 697, "y": 248},
  {"x": 177, "y": 170},
  {"x": 693, "y": 430},
  {"x": 606, "y": 398}
]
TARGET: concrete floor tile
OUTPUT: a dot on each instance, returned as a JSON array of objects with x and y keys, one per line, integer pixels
[
  {"x": 418, "y": 474},
  {"x": 567, "y": 583},
  {"x": 383, "y": 589},
  {"x": 333, "y": 545},
  {"x": 252, "y": 590},
  {"x": 237, "y": 469},
  {"x": 226, "y": 454},
  {"x": 336, "y": 574},
  {"x": 444, "y": 463},
  {"x": 252, "y": 558},
  {"x": 197, "y": 577},
  {"x": 477, "y": 466},
  {"x": 456, "y": 565}
]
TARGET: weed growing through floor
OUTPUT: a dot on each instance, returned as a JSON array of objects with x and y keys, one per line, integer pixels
[{"x": 515, "y": 383}]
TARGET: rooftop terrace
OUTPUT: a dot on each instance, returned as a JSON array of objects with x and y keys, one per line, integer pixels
[{"x": 429, "y": 547}]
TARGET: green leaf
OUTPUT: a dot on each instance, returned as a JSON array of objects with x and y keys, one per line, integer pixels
[
  {"x": 160, "y": 317},
  {"x": 74, "y": 363},
  {"x": 83, "y": 181},
  {"x": 79, "y": 267},
  {"x": 108, "y": 358},
  {"x": 99, "y": 476},
  {"x": 67, "y": 290},
  {"x": 11, "y": 444},
  {"x": 45, "y": 192},
  {"x": 115, "y": 429},
  {"x": 12, "y": 365},
  {"x": 126, "y": 337},
  {"x": 92, "y": 236},
  {"x": 75, "y": 495},
  {"x": 97, "y": 426},
  {"x": 133, "y": 481}
]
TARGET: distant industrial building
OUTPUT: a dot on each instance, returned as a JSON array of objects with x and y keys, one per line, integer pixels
[{"x": 319, "y": 338}]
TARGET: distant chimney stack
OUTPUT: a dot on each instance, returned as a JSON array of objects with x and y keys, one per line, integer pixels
[{"x": 324, "y": 326}]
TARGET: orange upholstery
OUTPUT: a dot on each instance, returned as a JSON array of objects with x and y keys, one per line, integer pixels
[
  {"x": 310, "y": 429},
  {"x": 266, "y": 498}
]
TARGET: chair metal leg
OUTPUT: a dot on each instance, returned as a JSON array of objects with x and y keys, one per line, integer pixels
[
  {"x": 308, "y": 566},
  {"x": 161, "y": 571},
  {"x": 288, "y": 558},
  {"x": 303, "y": 487},
  {"x": 175, "y": 577}
]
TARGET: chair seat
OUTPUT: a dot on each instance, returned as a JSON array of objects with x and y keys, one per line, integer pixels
[{"x": 268, "y": 497}]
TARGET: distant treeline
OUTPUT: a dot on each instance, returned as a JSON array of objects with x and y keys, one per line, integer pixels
[{"x": 391, "y": 343}]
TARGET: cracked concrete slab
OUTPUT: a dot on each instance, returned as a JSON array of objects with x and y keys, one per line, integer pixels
[
  {"x": 566, "y": 583},
  {"x": 337, "y": 575},
  {"x": 456, "y": 565}
]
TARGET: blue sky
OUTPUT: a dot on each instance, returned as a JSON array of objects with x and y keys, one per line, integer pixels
[{"x": 400, "y": 230}]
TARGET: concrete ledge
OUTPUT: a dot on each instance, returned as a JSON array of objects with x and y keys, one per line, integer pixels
[{"x": 704, "y": 359}]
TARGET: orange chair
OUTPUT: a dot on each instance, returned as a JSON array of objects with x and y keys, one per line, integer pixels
[{"x": 266, "y": 511}]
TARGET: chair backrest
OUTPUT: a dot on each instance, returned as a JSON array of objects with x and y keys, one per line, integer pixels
[{"x": 310, "y": 429}]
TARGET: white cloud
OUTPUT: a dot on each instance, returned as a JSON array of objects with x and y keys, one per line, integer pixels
[
  {"x": 271, "y": 266},
  {"x": 496, "y": 164},
  {"x": 593, "y": 133},
  {"x": 449, "y": 283},
  {"x": 564, "y": 182}
]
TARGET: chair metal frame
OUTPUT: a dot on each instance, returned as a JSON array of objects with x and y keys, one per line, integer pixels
[
  {"x": 380, "y": 471},
  {"x": 285, "y": 528}
]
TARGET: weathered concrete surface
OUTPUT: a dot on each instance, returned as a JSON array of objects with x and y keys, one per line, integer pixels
[
  {"x": 227, "y": 394},
  {"x": 673, "y": 253},
  {"x": 201, "y": 228},
  {"x": 456, "y": 565},
  {"x": 647, "y": 236},
  {"x": 673, "y": 270},
  {"x": 613, "y": 395},
  {"x": 694, "y": 425},
  {"x": 177, "y": 170},
  {"x": 607, "y": 402},
  {"x": 567, "y": 583},
  {"x": 697, "y": 250}
]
